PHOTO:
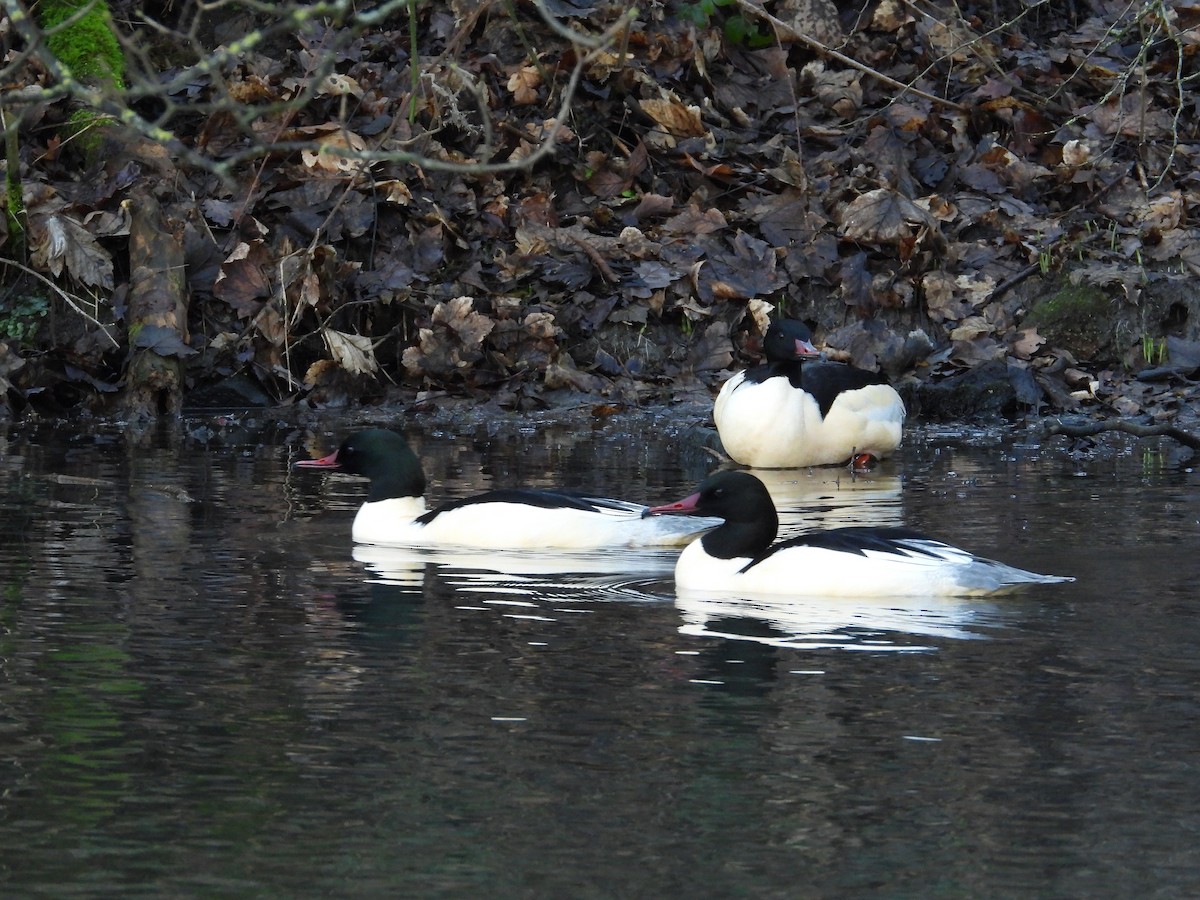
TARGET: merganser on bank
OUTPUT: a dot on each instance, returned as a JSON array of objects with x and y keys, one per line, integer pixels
[
  {"x": 739, "y": 556},
  {"x": 786, "y": 414},
  {"x": 508, "y": 519}
]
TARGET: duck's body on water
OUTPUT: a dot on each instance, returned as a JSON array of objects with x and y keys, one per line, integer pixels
[{"x": 514, "y": 518}]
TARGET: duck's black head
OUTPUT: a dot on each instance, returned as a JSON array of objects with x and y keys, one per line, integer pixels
[
  {"x": 743, "y": 502},
  {"x": 380, "y": 455},
  {"x": 788, "y": 340}
]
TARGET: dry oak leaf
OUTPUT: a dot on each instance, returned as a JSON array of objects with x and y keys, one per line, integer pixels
[
  {"x": 252, "y": 89},
  {"x": 336, "y": 153},
  {"x": 601, "y": 64},
  {"x": 393, "y": 190},
  {"x": 760, "y": 311},
  {"x": 1028, "y": 342},
  {"x": 459, "y": 315},
  {"x": 57, "y": 242},
  {"x": 524, "y": 84},
  {"x": 942, "y": 301},
  {"x": 714, "y": 349},
  {"x": 891, "y": 15},
  {"x": 452, "y": 343},
  {"x": 672, "y": 114},
  {"x": 243, "y": 278},
  {"x": 814, "y": 18},
  {"x": 883, "y": 216},
  {"x": 693, "y": 221},
  {"x": 10, "y": 362},
  {"x": 977, "y": 351},
  {"x": 976, "y": 289},
  {"x": 971, "y": 328},
  {"x": 353, "y": 352},
  {"x": 563, "y": 373},
  {"x": 1075, "y": 154},
  {"x": 1126, "y": 116},
  {"x": 1164, "y": 212},
  {"x": 748, "y": 269},
  {"x": 840, "y": 92},
  {"x": 338, "y": 85}
]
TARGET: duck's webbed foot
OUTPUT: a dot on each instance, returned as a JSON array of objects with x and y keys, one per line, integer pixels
[{"x": 862, "y": 463}]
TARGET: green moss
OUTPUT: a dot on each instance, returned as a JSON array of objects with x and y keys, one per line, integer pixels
[
  {"x": 86, "y": 45},
  {"x": 85, "y": 127},
  {"x": 1079, "y": 318}
]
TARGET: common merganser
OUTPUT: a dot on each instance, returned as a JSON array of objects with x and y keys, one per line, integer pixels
[
  {"x": 843, "y": 562},
  {"x": 508, "y": 519},
  {"x": 784, "y": 414}
]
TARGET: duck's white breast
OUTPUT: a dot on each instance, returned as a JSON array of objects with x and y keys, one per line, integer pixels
[
  {"x": 388, "y": 521},
  {"x": 767, "y": 424}
]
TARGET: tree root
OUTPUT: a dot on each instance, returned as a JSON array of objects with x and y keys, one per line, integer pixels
[{"x": 1054, "y": 426}]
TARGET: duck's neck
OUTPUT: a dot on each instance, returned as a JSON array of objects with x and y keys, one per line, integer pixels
[
  {"x": 741, "y": 539},
  {"x": 399, "y": 483},
  {"x": 785, "y": 368}
]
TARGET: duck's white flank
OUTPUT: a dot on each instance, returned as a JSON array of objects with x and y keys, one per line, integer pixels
[
  {"x": 520, "y": 526},
  {"x": 930, "y": 569}
]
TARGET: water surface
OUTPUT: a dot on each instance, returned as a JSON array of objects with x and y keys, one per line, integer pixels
[{"x": 205, "y": 693}]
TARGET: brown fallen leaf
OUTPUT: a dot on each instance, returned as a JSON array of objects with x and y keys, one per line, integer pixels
[
  {"x": 353, "y": 352},
  {"x": 883, "y": 216},
  {"x": 713, "y": 350},
  {"x": 693, "y": 221},
  {"x": 524, "y": 84},
  {"x": 679, "y": 119},
  {"x": 1028, "y": 342},
  {"x": 563, "y": 373},
  {"x": 57, "y": 242},
  {"x": 746, "y": 269},
  {"x": 460, "y": 316},
  {"x": 243, "y": 280}
]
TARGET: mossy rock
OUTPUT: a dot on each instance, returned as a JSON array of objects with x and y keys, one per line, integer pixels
[
  {"x": 1078, "y": 318},
  {"x": 1103, "y": 327},
  {"x": 80, "y": 33}
]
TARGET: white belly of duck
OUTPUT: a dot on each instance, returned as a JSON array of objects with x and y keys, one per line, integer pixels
[
  {"x": 519, "y": 526},
  {"x": 773, "y": 425}
]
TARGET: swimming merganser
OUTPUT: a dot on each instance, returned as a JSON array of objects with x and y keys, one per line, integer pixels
[
  {"x": 509, "y": 519},
  {"x": 783, "y": 414},
  {"x": 843, "y": 562}
]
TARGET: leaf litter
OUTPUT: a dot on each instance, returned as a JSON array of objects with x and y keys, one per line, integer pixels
[{"x": 708, "y": 174}]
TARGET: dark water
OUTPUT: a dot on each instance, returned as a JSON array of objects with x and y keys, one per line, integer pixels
[{"x": 203, "y": 692}]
